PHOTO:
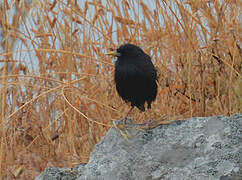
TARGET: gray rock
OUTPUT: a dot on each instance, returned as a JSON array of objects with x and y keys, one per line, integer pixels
[
  {"x": 54, "y": 173},
  {"x": 193, "y": 149}
]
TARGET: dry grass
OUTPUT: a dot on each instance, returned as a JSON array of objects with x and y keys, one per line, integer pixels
[{"x": 57, "y": 91}]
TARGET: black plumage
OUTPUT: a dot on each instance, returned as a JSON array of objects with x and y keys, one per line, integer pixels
[{"x": 135, "y": 76}]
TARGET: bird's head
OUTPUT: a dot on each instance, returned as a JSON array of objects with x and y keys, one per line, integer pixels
[{"x": 126, "y": 50}]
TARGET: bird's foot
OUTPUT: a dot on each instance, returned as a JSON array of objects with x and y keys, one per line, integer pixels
[
  {"x": 122, "y": 123},
  {"x": 148, "y": 123},
  {"x": 124, "y": 120}
]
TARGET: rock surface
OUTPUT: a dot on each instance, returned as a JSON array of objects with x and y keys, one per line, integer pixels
[{"x": 194, "y": 149}]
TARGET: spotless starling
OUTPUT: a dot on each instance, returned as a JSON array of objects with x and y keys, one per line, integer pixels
[{"x": 135, "y": 77}]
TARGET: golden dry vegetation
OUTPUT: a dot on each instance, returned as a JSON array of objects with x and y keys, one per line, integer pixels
[{"x": 57, "y": 92}]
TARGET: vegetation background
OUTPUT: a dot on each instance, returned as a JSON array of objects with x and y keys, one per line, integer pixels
[{"x": 57, "y": 92}]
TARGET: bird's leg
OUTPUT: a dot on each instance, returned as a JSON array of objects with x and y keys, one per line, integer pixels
[
  {"x": 149, "y": 120},
  {"x": 126, "y": 117}
]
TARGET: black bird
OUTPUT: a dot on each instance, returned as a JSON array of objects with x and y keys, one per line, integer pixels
[{"x": 135, "y": 77}]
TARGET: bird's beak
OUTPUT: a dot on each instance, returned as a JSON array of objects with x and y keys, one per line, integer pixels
[{"x": 113, "y": 53}]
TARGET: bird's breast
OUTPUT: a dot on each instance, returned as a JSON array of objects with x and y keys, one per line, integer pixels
[{"x": 125, "y": 71}]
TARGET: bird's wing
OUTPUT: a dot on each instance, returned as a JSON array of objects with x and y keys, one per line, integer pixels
[{"x": 147, "y": 68}]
